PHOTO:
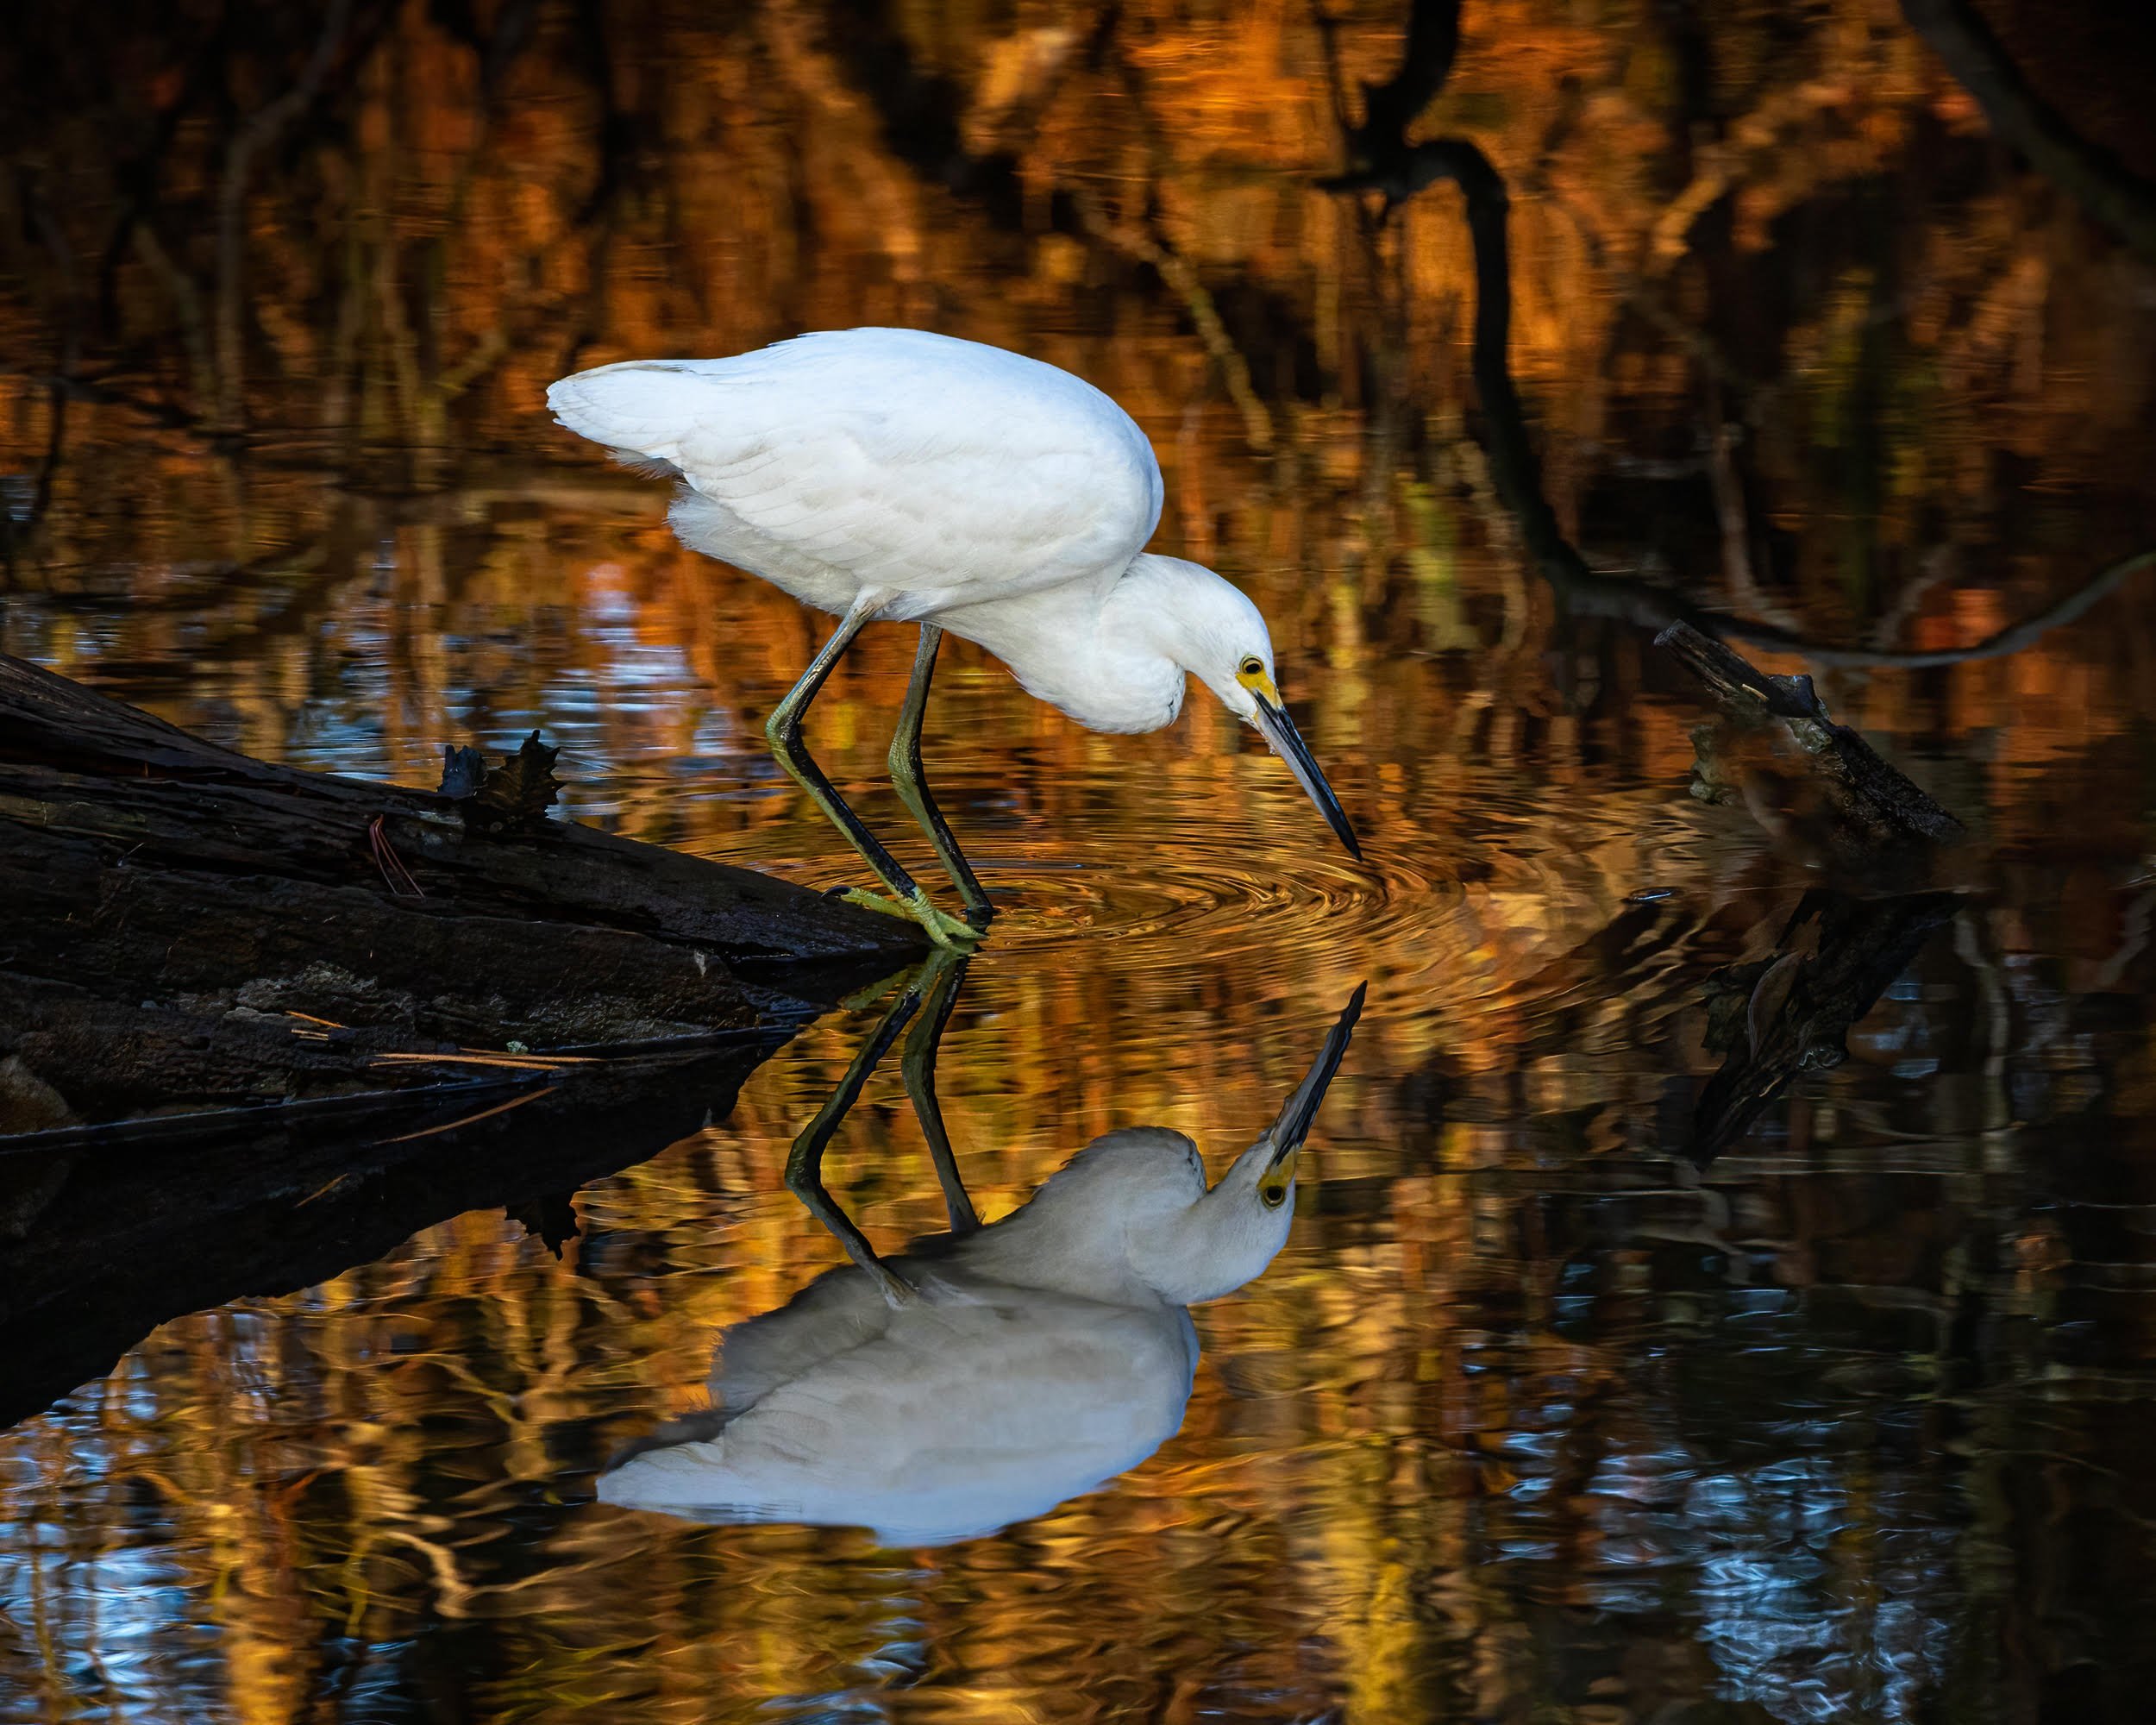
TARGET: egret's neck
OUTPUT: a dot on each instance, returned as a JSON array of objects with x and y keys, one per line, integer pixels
[
  {"x": 1224, "y": 1240},
  {"x": 1174, "y": 1253},
  {"x": 1175, "y": 1242},
  {"x": 1110, "y": 655}
]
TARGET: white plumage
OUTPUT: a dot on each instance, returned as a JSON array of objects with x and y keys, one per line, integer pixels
[
  {"x": 940, "y": 471},
  {"x": 900, "y": 476}
]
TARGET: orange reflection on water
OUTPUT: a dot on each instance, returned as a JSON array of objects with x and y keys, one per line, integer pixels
[{"x": 1523, "y": 1422}]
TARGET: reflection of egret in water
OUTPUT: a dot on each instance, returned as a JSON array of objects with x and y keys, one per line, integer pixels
[{"x": 986, "y": 1375}]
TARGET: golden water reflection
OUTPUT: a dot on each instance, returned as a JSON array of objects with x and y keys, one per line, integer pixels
[{"x": 1530, "y": 1418}]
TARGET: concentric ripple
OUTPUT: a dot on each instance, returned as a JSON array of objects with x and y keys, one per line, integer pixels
[
  {"x": 1219, "y": 894},
  {"x": 1159, "y": 883}
]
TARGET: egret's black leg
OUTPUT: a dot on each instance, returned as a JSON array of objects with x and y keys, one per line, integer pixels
[
  {"x": 784, "y": 731},
  {"x": 913, "y": 784},
  {"x": 919, "y": 1067},
  {"x": 805, "y": 1164}
]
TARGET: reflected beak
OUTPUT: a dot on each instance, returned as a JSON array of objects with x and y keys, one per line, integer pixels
[
  {"x": 1292, "y": 1125},
  {"x": 1280, "y": 731}
]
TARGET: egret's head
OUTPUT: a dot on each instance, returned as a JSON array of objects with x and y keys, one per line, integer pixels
[
  {"x": 1209, "y": 627},
  {"x": 1229, "y": 1234}
]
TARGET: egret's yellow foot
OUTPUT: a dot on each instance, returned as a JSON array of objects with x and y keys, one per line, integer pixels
[{"x": 945, "y": 930}]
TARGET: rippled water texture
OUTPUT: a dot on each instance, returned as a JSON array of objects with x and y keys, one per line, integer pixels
[{"x": 1532, "y": 1417}]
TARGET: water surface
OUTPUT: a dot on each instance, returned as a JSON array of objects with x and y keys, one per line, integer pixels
[{"x": 1532, "y": 1416}]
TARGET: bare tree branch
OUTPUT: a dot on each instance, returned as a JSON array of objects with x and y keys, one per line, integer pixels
[
  {"x": 260, "y": 131},
  {"x": 1383, "y": 161},
  {"x": 2011, "y": 639},
  {"x": 1426, "y": 61},
  {"x": 1135, "y": 240},
  {"x": 2103, "y": 185}
]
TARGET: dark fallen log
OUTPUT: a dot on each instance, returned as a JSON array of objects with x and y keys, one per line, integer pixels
[
  {"x": 132, "y": 1236},
  {"x": 186, "y": 926},
  {"x": 1867, "y": 808}
]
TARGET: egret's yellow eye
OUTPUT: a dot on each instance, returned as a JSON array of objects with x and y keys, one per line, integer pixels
[
  {"x": 1273, "y": 1183},
  {"x": 1251, "y": 666}
]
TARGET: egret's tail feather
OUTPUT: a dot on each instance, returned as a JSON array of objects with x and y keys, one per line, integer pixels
[
  {"x": 649, "y": 466},
  {"x": 640, "y": 410}
]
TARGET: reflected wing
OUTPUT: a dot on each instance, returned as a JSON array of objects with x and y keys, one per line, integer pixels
[
  {"x": 838, "y": 1312},
  {"x": 908, "y": 461},
  {"x": 965, "y": 1415}
]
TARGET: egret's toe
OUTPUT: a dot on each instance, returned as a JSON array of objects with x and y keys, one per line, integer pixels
[{"x": 944, "y": 929}]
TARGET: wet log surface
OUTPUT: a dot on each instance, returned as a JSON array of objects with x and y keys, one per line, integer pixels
[{"x": 187, "y": 927}]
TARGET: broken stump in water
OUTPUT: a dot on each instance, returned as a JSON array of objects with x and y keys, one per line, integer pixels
[
  {"x": 1825, "y": 795},
  {"x": 1866, "y": 809},
  {"x": 182, "y": 926}
]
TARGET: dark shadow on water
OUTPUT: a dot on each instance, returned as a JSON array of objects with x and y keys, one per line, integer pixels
[
  {"x": 1791, "y": 1012},
  {"x": 1878, "y": 1387},
  {"x": 113, "y": 1242}
]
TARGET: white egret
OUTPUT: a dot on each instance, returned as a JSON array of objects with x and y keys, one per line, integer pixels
[
  {"x": 894, "y": 475},
  {"x": 1041, "y": 1354}
]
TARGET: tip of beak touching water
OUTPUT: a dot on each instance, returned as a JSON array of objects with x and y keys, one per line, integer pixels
[{"x": 1271, "y": 716}]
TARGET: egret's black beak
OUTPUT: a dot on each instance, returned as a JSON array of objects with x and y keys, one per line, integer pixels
[
  {"x": 1293, "y": 1125},
  {"x": 1280, "y": 731}
]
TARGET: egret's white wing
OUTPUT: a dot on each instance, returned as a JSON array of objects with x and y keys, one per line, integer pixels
[{"x": 942, "y": 472}]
